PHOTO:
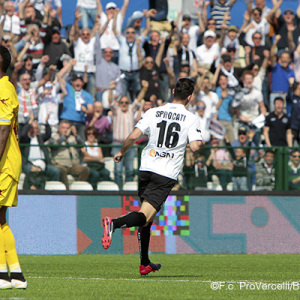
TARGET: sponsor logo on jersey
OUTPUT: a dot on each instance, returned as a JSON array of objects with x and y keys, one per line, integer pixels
[
  {"x": 163, "y": 154},
  {"x": 3, "y": 101},
  {"x": 198, "y": 130}
]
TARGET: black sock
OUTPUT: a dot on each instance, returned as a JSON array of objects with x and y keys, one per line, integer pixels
[
  {"x": 144, "y": 241},
  {"x": 133, "y": 218},
  {"x": 4, "y": 275},
  {"x": 17, "y": 275}
]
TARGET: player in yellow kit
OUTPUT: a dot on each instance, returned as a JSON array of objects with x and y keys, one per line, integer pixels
[{"x": 10, "y": 169}]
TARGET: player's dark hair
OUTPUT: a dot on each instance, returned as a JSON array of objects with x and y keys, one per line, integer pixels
[
  {"x": 5, "y": 58},
  {"x": 184, "y": 88}
]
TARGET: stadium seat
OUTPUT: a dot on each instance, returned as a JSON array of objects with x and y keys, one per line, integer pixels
[
  {"x": 55, "y": 186},
  {"x": 229, "y": 186},
  {"x": 130, "y": 186},
  {"x": 214, "y": 186},
  {"x": 107, "y": 186},
  {"x": 80, "y": 186}
]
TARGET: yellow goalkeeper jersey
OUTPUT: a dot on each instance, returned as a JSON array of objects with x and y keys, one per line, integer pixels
[{"x": 11, "y": 162}]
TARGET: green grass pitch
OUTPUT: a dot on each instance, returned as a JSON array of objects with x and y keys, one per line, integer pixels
[{"x": 181, "y": 277}]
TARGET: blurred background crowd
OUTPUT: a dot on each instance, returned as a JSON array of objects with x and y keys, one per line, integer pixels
[{"x": 82, "y": 92}]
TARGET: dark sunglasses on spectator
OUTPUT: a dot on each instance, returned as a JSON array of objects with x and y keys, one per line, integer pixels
[
  {"x": 90, "y": 133},
  {"x": 242, "y": 133},
  {"x": 231, "y": 50},
  {"x": 201, "y": 107},
  {"x": 296, "y": 156},
  {"x": 200, "y": 161},
  {"x": 186, "y": 19},
  {"x": 124, "y": 102}
]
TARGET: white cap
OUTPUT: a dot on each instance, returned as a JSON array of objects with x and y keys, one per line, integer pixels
[
  {"x": 111, "y": 5},
  {"x": 137, "y": 15},
  {"x": 209, "y": 33}
]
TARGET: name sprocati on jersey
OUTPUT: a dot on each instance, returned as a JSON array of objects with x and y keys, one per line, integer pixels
[{"x": 170, "y": 128}]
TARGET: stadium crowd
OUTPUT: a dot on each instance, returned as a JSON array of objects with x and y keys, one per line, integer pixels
[{"x": 93, "y": 86}]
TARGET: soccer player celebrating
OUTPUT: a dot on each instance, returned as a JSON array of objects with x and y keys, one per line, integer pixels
[
  {"x": 10, "y": 169},
  {"x": 170, "y": 127}
]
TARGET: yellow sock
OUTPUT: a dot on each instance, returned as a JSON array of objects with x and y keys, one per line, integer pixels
[
  {"x": 3, "y": 267},
  {"x": 11, "y": 256}
]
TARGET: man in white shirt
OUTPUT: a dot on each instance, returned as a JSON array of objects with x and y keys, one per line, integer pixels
[
  {"x": 84, "y": 51},
  {"x": 192, "y": 30},
  {"x": 209, "y": 51},
  {"x": 170, "y": 127},
  {"x": 249, "y": 104},
  {"x": 108, "y": 38},
  {"x": 210, "y": 98},
  {"x": 11, "y": 19}
]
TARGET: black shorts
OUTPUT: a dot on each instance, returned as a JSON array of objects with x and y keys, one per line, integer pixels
[{"x": 154, "y": 188}]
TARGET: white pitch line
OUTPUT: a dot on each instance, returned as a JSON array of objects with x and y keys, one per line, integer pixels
[{"x": 151, "y": 279}]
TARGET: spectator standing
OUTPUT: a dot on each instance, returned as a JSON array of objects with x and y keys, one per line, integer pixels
[
  {"x": 123, "y": 120},
  {"x": 159, "y": 21},
  {"x": 54, "y": 46},
  {"x": 128, "y": 60},
  {"x": 106, "y": 70},
  {"x": 10, "y": 18},
  {"x": 27, "y": 93},
  {"x": 204, "y": 121},
  {"x": 150, "y": 73},
  {"x": 151, "y": 49},
  {"x": 218, "y": 9},
  {"x": 288, "y": 21},
  {"x": 88, "y": 10},
  {"x": 207, "y": 96},
  {"x": 77, "y": 103},
  {"x": 48, "y": 103},
  {"x": 223, "y": 114},
  {"x": 277, "y": 129},
  {"x": 280, "y": 72},
  {"x": 100, "y": 122},
  {"x": 84, "y": 51},
  {"x": 109, "y": 38},
  {"x": 249, "y": 104},
  {"x": 209, "y": 51}
]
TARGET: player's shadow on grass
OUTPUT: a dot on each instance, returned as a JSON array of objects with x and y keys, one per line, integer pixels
[{"x": 174, "y": 276}]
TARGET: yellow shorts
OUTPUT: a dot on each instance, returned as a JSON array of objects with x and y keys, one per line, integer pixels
[{"x": 8, "y": 190}]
